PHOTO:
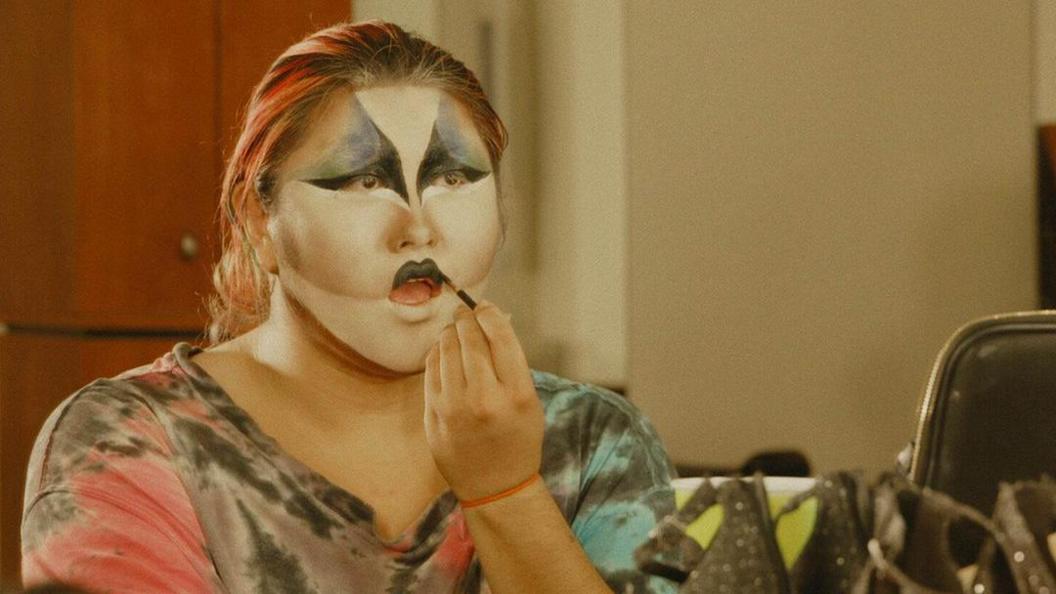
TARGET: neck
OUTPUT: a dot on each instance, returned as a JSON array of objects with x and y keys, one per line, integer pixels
[{"x": 327, "y": 375}]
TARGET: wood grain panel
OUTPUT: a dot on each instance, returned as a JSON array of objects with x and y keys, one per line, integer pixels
[
  {"x": 121, "y": 111},
  {"x": 37, "y": 372},
  {"x": 144, "y": 130},
  {"x": 36, "y": 163},
  {"x": 253, "y": 34}
]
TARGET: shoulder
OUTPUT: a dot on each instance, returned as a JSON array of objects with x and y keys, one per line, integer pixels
[
  {"x": 609, "y": 473},
  {"x": 129, "y": 402},
  {"x": 108, "y": 405},
  {"x": 570, "y": 396},
  {"x": 100, "y": 442},
  {"x": 113, "y": 417},
  {"x": 103, "y": 497},
  {"x": 600, "y": 432},
  {"x": 570, "y": 405}
]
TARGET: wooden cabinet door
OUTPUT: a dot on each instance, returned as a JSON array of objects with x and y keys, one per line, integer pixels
[
  {"x": 110, "y": 134},
  {"x": 36, "y": 159},
  {"x": 37, "y": 372},
  {"x": 146, "y": 162},
  {"x": 115, "y": 117}
]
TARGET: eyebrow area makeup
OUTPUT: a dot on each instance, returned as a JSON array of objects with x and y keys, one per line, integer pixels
[
  {"x": 450, "y": 150},
  {"x": 366, "y": 150}
]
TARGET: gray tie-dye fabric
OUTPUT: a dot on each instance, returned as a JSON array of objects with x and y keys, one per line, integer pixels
[{"x": 160, "y": 465}]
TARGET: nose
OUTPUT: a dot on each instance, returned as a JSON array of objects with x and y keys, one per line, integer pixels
[{"x": 414, "y": 231}]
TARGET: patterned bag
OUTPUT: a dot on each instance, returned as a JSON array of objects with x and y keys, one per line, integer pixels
[
  {"x": 910, "y": 550},
  {"x": 743, "y": 554},
  {"x": 1020, "y": 559},
  {"x": 892, "y": 538},
  {"x": 836, "y": 553},
  {"x": 925, "y": 542}
]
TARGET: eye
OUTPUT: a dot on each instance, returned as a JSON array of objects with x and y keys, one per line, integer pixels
[
  {"x": 365, "y": 182},
  {"x": 453, "y": 179}
]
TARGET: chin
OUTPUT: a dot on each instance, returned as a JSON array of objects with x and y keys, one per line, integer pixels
[
  {"x": 409, "y": 366},
  {"x": 402, "y": 358}
]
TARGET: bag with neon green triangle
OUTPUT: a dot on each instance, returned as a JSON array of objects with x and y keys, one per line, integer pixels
[{"x": 844, "y": 535}]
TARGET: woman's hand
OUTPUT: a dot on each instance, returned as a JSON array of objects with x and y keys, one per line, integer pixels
[{"x": 483, "y": 419}]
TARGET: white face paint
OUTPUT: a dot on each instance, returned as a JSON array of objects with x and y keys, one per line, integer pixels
[{"x": 384, "y": 176}]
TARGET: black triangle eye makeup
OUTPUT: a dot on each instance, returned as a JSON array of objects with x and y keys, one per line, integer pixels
[
  {"x": 365, "y": 153},
  {"x": 450, "y": 151},
  {"x": 367, "y": 160}
]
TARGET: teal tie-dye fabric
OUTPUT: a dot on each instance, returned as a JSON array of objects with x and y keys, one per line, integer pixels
[{"x": 155, "y": 481}]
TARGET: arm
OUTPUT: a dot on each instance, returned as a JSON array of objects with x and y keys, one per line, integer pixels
[
  {"x": 485, "y": 425},
  {"x": 525, "y": 545},
  {"x": 621, "y": 478},
  {"x": 106, "y": 510}
]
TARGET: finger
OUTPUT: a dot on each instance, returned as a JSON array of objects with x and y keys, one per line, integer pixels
[
  {"x": 433, "y": 385},
  {"x": 511, "y": 366},
  {"x": 476, "y": 352},
  {"x": 451, "y": 378},
  {"x": 430, "y": 421}
]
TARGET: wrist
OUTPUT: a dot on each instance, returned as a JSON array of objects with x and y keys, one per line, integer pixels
[
  {"x": 525, "y": 544},
  {"x": 513, "y": 493}
]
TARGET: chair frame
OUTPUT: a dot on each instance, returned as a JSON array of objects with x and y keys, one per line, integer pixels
[{"x": 929, "y": 426}]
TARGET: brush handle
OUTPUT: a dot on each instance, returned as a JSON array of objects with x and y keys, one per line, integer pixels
[
  {"x": 466, "y": 299},
  {"x": 461, "y": 294}
]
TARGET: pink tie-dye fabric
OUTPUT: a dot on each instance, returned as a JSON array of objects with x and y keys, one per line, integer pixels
[{"x": 155, "y": 481}]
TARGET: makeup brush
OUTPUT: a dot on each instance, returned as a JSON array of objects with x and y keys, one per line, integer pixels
[{"x": 461, "y": 294}]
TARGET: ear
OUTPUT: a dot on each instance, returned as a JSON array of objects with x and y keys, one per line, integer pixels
[{"x": 259, "y": 237}]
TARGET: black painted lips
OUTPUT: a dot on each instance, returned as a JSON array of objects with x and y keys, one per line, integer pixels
[{"x": 424, "y": 270}]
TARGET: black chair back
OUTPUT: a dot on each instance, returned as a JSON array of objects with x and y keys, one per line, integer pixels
[{"x": 989, "y": 410}]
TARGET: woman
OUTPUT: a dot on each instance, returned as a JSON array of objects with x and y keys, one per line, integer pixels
[{"x": 353, "y": 427}]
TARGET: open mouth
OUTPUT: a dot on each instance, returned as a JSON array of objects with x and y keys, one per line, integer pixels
[{"x": 416, "y": 282}]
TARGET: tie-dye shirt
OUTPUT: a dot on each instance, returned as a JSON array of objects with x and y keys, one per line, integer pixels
[{"x": 156, "y": 481}]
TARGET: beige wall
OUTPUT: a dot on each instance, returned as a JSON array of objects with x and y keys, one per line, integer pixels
[
  {"x": 581, "y": 185},
  {"x": 820, "y": 193},
  {"x": 1044, "y": 61},
  {"x": 816, "y": 195},
  {"x": 420, "y": 16}
]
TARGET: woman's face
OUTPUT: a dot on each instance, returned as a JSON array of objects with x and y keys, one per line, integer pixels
[{"x": 383, "y": 177}]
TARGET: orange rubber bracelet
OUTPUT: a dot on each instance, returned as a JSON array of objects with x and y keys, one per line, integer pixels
[{"x": 497, "y": 496}]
